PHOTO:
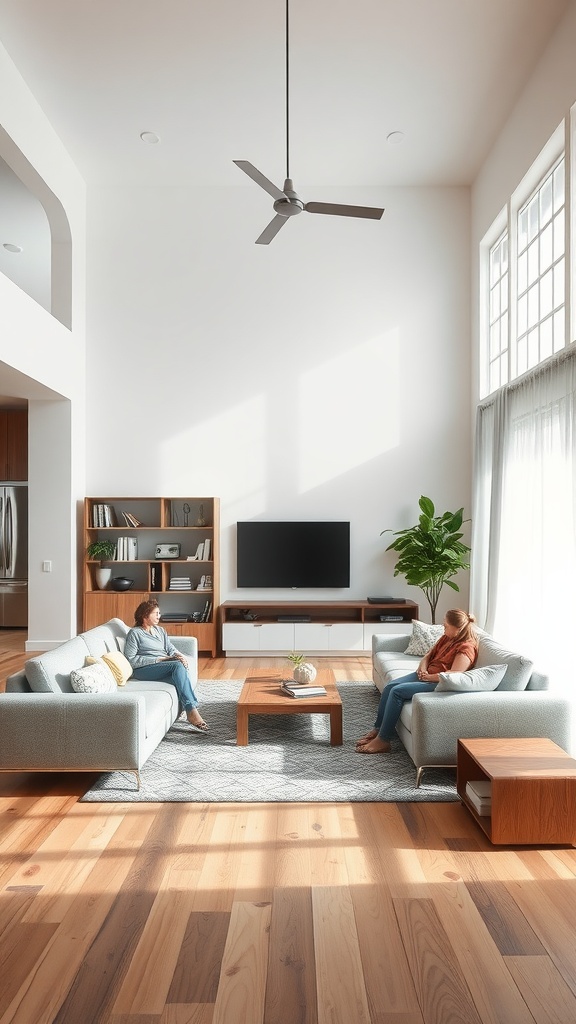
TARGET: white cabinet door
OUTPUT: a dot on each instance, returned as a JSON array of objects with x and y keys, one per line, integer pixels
[
  {"x": 325, "y": 636},
  {"x": 258, "y": 636}
]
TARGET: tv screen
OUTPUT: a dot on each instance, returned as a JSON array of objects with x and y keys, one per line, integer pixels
[{"x": 293, "y": 554}]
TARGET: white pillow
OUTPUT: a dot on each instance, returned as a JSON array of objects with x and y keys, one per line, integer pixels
[
  {"x": 423, "y": 638},
  {"x": 96, "y": 678},
  {"x": 486, "y": 678}
]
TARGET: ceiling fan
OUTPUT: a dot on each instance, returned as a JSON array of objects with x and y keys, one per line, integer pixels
[{"x": 287, "y": 202}]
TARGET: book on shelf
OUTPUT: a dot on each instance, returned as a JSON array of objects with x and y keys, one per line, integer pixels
[
  {"x": 479, "y": 793},
  {"x": 131, "y": 520},
  {"x": 207, "y": 612},
  {"x": 290, "y": 688},
  {"x": 200, "y": 551},
  {"x": 155, "y": 577},
  {"x": 206, "y": 552}
]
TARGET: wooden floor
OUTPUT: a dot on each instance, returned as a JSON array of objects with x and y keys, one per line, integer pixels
[{"x": 273, "y": 913}]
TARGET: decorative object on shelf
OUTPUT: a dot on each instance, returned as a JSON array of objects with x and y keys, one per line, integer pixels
[
  {"x": 200, "y": 521},
  {"x": 186, "y": 511},
  {"x": 121, "y": 583},
  {"x": 431, "y": 552},
  {"x": 205, "y": 583},
  {"x": 303, "y": 672},
  {"x": 102, "y": 550},
  {"x": 167, "y": 551}
]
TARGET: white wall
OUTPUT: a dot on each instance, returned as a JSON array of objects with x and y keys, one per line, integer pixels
[
  {"x": 324, "y": 376},
  {"x": 43, "y": 361}
]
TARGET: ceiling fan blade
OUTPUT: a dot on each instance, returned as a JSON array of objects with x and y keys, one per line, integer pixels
[
  {"x": 259, "y": 178},
  {"x": 371, "y": 212},
  {"x": 272, "y": 230}
]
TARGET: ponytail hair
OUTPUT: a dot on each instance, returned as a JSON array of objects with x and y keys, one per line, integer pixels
[{"x": 463, "y": 621}]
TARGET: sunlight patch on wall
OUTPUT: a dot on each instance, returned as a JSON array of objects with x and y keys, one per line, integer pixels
[{"x": 349, "y": 410}]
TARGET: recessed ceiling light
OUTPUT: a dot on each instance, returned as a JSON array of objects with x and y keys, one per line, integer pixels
[
  {"x": 395, "y": 138},
  {"x": 10, "y": 247},
  {"x": 150, "y": 137}
]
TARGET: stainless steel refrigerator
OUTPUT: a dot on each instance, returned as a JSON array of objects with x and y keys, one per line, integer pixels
[{"x": 13, "y": 555}]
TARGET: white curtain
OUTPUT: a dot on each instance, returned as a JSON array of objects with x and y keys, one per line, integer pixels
[{"x": 523, "y": 562}]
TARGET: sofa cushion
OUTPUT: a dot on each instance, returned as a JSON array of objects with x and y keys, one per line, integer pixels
[
  {"x": 50, "y": 672},
  {"x": 117, "y": 663},
  {"x": 423, "y": 637},
  {"x": 486, "y": 678},
  {"x": 95, "y": 678},
  {"x": 518, "y": 668}
]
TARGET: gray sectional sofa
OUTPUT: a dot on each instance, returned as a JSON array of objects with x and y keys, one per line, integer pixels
[
  {"x": 46, "y": 726},
  {"x": 431, "y": 723}
]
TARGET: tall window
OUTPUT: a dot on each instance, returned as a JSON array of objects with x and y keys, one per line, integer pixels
[
  {"x": 498, "y": 317},
  {"x": 540, "y": 274}
]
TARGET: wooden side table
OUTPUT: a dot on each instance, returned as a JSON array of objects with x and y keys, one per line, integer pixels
[
  {"x": 262, "y": 695},
  {"x": 533, "y": 784}
]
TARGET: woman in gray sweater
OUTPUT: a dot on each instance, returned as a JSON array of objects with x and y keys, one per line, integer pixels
[{"x": 153, "y": 656}]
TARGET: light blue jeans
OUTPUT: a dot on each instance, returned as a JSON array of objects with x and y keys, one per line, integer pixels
[
  {"x": 171, "y": 672},
  {"x": 392, "y": 700}
]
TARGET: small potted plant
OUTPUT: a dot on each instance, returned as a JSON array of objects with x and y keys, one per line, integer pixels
[
  {"x": 102, "y": 551},
  {"x": 303, "y": 671}
]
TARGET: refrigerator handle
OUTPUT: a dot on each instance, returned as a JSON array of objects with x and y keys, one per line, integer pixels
[
  {"x": 9, "y": 538},
  {"x": 2, "y": 537}
]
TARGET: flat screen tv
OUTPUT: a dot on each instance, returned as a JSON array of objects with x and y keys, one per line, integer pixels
[{"x": 293, "y": 554}]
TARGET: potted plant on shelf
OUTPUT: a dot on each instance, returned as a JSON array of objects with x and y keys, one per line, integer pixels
[
  {"x": 303, "y": 671},
  {"x": 102, "y": 551},
  {"x": 432, "y": 552}
]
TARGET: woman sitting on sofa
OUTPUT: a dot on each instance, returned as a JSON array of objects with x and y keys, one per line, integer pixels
[
  {"x": 455, "y": 651},
  {"x": 153, "y": 656}
]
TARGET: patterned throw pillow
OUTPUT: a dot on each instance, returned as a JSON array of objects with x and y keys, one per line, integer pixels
[
  {"x": 424, "y": 636},
  {"x": 475, "y": 679},
  {"x": 95, "y": 678},
  {"x": 118, "y": 664}
]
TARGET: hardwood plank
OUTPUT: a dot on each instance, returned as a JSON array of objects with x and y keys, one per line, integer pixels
[
  {"x": 504, "y": 920},
  {"x": 217, "y": 879},
  {"x": 19, "y": 951},
  {"x": 341, "y": 994},
  {"x": 197, "y": 970},
  {"x": 327, "y": 855},
  {"x": 291, "y": 976},
  {"x": 188, "y": 1014},
  {"x": 255, "y": 880},
  {"x": 292, "y": 847},
  {"x": 389, "y": 984},
  {"x": 548, "y": 997},
  {"x": 241, "y": 992},
  {"x": 442, "y": 991},
  {"x": 550, "y": 908},
  {"x": 394, "y": 852}
]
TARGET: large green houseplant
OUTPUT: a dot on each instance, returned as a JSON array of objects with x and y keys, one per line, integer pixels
[{"x": 432, "y": 552}]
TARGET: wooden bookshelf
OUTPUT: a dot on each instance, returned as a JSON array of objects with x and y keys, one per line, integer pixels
[{"x": 163, "y": 520}]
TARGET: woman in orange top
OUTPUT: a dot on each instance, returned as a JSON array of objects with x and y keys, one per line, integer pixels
[{"x": 455, "y": 651}]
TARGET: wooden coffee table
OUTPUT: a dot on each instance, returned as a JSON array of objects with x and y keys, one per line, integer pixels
[
  {"x": 261, "y": 695},
  {"x": 533, "y": 784}
]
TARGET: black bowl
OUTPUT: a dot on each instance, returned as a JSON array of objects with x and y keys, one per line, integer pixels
[{"x": 121, "y": 583}]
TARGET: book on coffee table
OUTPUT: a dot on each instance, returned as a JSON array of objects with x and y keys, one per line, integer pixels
[{"x": 293, "y": 689}]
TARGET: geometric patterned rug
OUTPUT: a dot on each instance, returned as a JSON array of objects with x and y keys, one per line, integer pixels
[{"x": 288, "y": 759}]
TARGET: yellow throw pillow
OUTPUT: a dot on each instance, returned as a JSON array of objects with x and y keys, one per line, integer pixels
[
  {"x": 120, "y": 666},
  {"x": 117, "y": 663}
]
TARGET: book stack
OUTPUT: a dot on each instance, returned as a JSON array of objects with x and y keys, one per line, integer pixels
[
  {"x": 180, "y": 583},
  {"x": 290, "y": 688},
  {"x": 479, "y": 793},
  {"x": 202, "y": 552},
  {"x": 103, "y": 515},
  {"x": 131, "y": 520},
  {"x": 126, "y": 549}
]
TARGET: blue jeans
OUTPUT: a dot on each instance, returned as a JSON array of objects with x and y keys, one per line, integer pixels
[
  {"x": 392, "y": 700},
  {"x": 171, "y": 672}
]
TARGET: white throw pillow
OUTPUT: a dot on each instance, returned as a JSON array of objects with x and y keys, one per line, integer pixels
[
  {"x": 423, "y": 637},
  {"x": 486, "y": 678},
  {"x": 95, "y": 678}
]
